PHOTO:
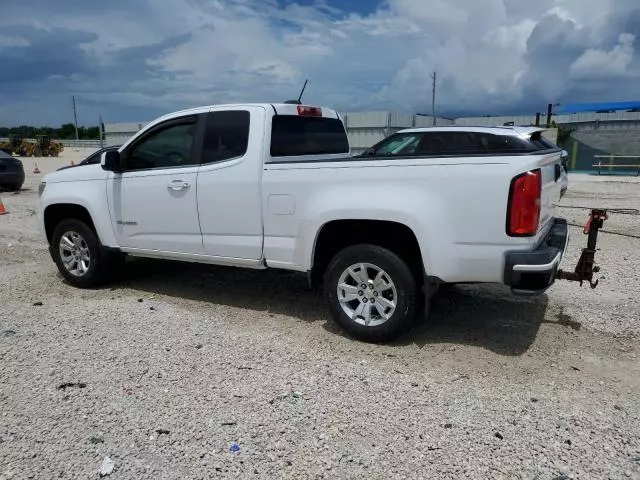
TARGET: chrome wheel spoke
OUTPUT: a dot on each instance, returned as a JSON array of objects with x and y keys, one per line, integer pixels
[
  {"x": 355, "y": 274},
  {"x": 384, "y": 303},
  {"x": 67, "y": 242},
  {"x": 366, "y": 314},
  {"x": 349, "y": 292}
]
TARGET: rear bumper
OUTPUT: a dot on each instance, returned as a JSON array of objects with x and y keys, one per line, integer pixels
[{"x": 533, "y": 272}]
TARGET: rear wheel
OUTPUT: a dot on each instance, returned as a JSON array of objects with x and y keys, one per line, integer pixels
[
  {"x": 78, "y": 254},
  {"x": 370, "y": 292}
]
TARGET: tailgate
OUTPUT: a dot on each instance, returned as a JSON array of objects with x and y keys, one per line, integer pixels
[{"x": 550, "y": 167}]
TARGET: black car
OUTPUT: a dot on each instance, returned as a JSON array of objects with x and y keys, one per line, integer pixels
[
  {"x": 94, "y": 158},
  {"x": 11, "y": 172}
]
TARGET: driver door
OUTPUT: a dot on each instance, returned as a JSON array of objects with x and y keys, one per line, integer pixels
[{"x": 153, "y": 203}]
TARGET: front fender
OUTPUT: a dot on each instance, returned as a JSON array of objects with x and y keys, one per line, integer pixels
[{"x": 89, "y": 194}]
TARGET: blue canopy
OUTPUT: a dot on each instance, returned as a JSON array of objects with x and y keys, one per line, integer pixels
[{"x": 596, "y": 107}]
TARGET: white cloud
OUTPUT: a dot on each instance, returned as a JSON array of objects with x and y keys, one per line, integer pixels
[{"x": 602, "y": 63}]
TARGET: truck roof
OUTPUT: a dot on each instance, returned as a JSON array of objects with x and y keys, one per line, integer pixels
[
  {"x": 502, "y": 130},
  {"x": 278, "y": 108}
]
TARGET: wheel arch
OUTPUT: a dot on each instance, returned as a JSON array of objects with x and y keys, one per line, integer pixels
[
  {"x": 335, "y": 235},
  {"x": 56, "y": 213}
]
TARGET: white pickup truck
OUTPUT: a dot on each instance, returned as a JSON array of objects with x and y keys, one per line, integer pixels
[{"x": 274, "y": 186}]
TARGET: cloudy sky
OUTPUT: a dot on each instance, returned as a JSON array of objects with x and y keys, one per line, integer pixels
[{"x": 133, "y": 60}]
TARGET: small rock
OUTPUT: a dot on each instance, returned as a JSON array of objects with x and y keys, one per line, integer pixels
[
  {"x": 162, "y": 431},
  {"x": 107, "y": 467},
  {"x": 567, "y": 441},
  {"x": 575, "y": 368},
  {"x": 534, "y": 400},
  {"x": 627, "y": 473},
  {"x": 498, "y": 435},
  {"x": 37, "y": 304},
  {"x": 152, "y": 308},
  {"x": 8, "y": 333},
  {"x": 199, "y": 346},
  {"x": 140, "y": 300},
  {"x": 448, "y": 425},
  {"x": 95, "y": 440},
  {"x": 618, "y": 407}
]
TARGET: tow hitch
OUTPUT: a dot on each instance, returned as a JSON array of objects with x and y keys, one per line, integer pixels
[{"x": 585, "y": 268}]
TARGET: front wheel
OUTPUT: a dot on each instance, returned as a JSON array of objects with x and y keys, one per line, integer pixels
[
  {"x": 370, "y": 292},
  {"x": 78, "y": 254}
]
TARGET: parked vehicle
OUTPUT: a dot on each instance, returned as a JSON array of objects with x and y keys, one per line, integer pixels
[
  {"x": 92, "y": 159},
  {"x": 273, "y": 186},
  {"x": 11, "y": 172}
]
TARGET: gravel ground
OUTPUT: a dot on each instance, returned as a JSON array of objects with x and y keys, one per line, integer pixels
[{"x": 171, "y": 368}]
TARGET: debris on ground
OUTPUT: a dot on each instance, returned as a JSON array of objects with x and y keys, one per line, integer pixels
[
  {"x": 37, "y": 304},
  {"x": 95, "y": 440},
  {"x": 162, "y": 431},
  {"x": 234, "y": 448},
  {"x": 66, "y": 385},
  {"x": 107, "y": 467}
]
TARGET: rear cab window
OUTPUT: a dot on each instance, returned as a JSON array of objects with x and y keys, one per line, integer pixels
[{"x": 306, "y": 131}]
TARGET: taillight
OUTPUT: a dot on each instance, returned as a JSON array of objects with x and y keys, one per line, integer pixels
[
  {"x": 523, "y": 213},
  {"x": 305, "y": 111}
]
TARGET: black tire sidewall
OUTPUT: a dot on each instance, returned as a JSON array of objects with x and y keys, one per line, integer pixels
[
  {"x": 94, "y": 275},
  {"x": 401, "y": 276}
]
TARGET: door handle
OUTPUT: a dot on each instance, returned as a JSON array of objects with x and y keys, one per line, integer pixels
[{"x": 178, "y": 185}]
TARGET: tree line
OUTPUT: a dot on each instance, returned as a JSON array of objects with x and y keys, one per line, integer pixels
[{"x": 65, "y": 132}]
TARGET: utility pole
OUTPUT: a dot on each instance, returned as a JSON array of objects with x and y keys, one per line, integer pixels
[
  {"x": 433, "y": 99},
  {"x": 75, "y": 115},
  {"x": 100, "y": 130}
]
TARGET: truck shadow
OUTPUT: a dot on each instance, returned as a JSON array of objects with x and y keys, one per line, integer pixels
[{"x": 487, "y": 316}]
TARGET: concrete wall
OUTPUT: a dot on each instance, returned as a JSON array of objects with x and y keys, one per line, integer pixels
[{"x": 585, "y": 145}]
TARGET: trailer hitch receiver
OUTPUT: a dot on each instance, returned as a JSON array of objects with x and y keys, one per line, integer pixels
[{"x": 586, "y": 265}]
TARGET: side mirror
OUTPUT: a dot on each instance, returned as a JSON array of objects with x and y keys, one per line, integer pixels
[
  {"x": 110, "y": 161},
  {"x": 369, "y": 152}
]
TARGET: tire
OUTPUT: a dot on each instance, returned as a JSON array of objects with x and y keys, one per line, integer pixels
[
  {"x": 96, "y": 271},
  {"x": 15, "y": 187},
  {"x": 392, "y": 283}
]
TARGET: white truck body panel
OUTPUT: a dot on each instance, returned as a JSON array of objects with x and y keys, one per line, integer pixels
[
  {"x": 423, "y": 194},
  {"x": 230, "y": 198}
]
